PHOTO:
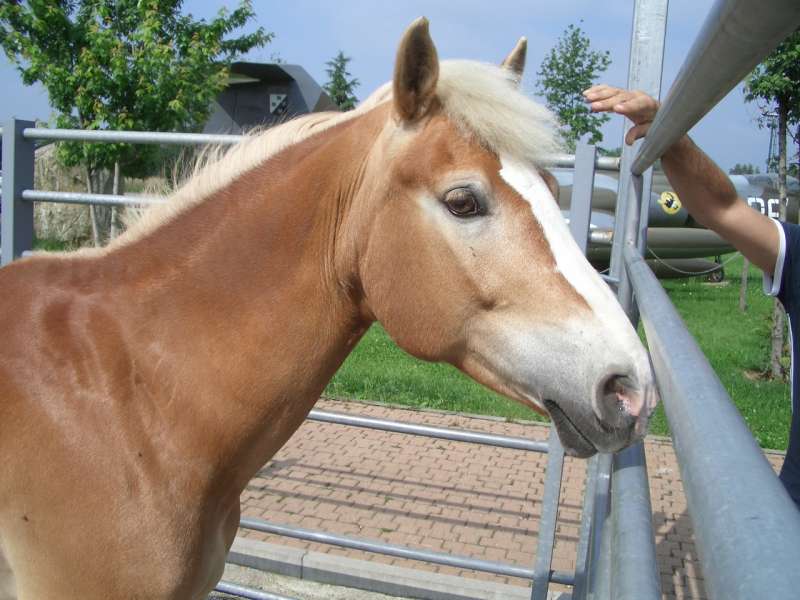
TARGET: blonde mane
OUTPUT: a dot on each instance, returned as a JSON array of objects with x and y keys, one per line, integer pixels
[{"x": 482, "y": 99}]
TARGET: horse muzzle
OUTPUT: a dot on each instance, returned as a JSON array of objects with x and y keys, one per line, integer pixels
[{"x": 616, "y": 418}]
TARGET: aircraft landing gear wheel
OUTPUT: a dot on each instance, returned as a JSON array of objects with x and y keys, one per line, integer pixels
[
  {"x": 716, "y": 276},
  {"x": 719, "y": 275}
]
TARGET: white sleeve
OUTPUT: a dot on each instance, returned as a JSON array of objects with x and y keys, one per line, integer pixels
[{"x": 772, "y": 284}]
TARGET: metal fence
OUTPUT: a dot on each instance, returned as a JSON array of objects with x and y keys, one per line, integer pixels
[{"x": 747, "y": 528}]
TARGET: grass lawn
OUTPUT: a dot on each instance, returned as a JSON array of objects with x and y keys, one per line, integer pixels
[{"x": 736, "y": 343}]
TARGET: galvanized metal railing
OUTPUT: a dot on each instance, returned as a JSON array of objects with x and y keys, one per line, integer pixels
[{"x": 746, "y": 527}]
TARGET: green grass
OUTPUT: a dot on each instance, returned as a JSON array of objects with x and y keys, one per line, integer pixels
[
  {"x": 378, "y": 370},
  {"x": 734, "y": 342}
]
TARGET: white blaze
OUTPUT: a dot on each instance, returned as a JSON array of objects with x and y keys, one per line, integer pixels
[{"x": 570, "y": 262}]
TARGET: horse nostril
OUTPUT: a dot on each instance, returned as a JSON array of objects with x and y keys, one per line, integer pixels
[{"x": 620, "y": 401}]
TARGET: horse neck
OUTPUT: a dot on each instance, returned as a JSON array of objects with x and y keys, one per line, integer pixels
[{"x": 251, "y": 313}]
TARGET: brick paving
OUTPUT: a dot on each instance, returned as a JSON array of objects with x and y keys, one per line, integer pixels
[{"x": 465, "y": 499}]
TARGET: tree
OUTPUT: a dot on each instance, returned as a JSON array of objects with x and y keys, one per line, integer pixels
[
  {"x": 775, "y": 84},
  {"x": 339, "y": 87},
  {"x": 123, "y": 64},
  {"x": 744, "y": 169},
  {"x": 569, "y": 68},
  {"x": 616, "y": 152}
]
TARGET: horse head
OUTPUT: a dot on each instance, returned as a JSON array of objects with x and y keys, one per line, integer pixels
[{"x": 463, "y": 255}]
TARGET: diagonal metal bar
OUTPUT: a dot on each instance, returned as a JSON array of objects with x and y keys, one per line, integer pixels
[
  {"x": 736, "y": 35},
  {"x": 746, "y": 526}
]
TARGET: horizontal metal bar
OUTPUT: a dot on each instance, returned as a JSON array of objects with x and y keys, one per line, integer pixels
[
  {"x": 439, "y": 558},
  {"x": 567, "y": 161},
  {"x": 128, "y": 137},
  {"x": 608, "y": 163},
  {"x": 97, "y": 199},
  {"x": 562, "y": 577},
  {"x": 245, "y": 592},
  {"x": 443, "y": 433},
  {"x": 601, "y": 237},
  {"x": 746, "y": 526},
  {"x": 736, "y": 36}
]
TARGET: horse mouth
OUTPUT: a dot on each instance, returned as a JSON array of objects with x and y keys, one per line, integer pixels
[{"x": 574, "y": 442}]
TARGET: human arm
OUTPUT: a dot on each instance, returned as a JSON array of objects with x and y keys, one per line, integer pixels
[{"x": 705, "y": 191}]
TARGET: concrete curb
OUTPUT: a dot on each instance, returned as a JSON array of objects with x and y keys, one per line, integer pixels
[{"x": 370, "y": 576}]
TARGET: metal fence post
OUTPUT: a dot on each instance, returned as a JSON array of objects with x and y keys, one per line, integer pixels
[
  {"x": 634, "y": 566},
  {"x": 644, "y": 73},
  {"x": 597, "y": 576},
  {"x": 580, "y": 206},
  {"x": 587, "y": 526},
  {"x": 17, "y": 214},
  {"x": 580, "y": 213},
  {"x": 634, "y": 574},
  {"x": 548, "y": 518}
]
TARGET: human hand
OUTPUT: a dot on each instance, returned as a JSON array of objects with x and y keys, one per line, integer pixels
[{"x": 637, "y": 106}]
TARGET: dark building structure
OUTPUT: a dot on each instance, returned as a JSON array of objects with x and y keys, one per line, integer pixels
[{"x": 264, "y": 94}]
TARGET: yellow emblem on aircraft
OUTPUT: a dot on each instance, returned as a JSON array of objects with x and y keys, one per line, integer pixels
[{"x": 670, "y": 203}]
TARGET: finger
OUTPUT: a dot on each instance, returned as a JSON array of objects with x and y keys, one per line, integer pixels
[
  {"x": 596, "y": 88},
  {"x": 633, "y": 102},
  {"x": 600, "y": 92},
  {"x": 611, "y": 102},
  {"x": 636, "y": 132},
  {"x": 638, "y": 108}
]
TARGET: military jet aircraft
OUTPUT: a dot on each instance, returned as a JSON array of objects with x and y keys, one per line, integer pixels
[{"x": 677, "y": 246}]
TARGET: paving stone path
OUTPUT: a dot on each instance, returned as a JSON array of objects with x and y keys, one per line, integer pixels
[{"x": 460, "y": 498}]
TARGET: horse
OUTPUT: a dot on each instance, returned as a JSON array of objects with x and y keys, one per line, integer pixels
[{"x": 143, "y": 384}]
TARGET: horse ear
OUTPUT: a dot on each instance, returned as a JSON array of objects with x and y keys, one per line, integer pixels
[
  {"x": 515, "y": 61},
  {"x": 416, "y": 72},
  {"x": 551, "y": 181}
]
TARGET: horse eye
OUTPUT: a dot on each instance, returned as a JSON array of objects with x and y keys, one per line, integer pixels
[{"x": 462, "y": 202}]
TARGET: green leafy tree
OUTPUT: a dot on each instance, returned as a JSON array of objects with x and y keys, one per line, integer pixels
[
  {"x": 775, "y": 85},
  {"x": 744, "y": 169},
  {"x": 570, "y": 67},
  {"x": 609, "y": 151},
  {"x": 123, "y": 64},
  {"x": 340, "y": 87}
]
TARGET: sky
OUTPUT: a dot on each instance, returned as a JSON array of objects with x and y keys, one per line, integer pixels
[{"x": 311, "y": 32}]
